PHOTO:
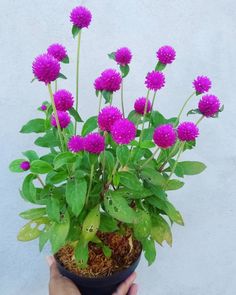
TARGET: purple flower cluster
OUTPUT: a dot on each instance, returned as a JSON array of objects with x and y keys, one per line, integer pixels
[
  {"x": 202, "y": 84},
  {"x": 46, "y": 68},
  {"x": 109, "y": 80},
  {"x": 123, "y": 56},
  {"x": 165, "y": 136},
  {"x": 123, "y": 131},
  {"x": 107, "y": 117},
  {"x": 166, "y": 54},
  {"x": 76, "y": 144},
  {"x": 58, "y": 51},
  {"x": 187, "y": 131},
  {"x": 139, "y": 105},
  {"x": 63, "y": 100},
  {"x": 25, "y": 165},
  {"x": 94, "y": 143},
  {"x": 209, "y": 105},
  {"x": 80, "y": 17},
  {"x": 63, "y": 118},
  {"x": 155, "y": 80},
  {"x": 98, "y": 84}
]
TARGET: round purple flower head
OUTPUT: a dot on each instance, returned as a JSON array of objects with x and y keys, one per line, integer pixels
[
  {"x": 76, "y": 144},
  {"x": 155, "y": 80},
  {"x": 63, "y": 100},
  {"x": 164, "y": 136},
  {"x": 46, "y": 68},
  {"x": 63, "y": 117},
  {"x": 98, "y": 84},
  {"x": 209, "y": 105},
  {"x": 187, "y": 131},
  {"x": 166, "y": 54},
  {"x": 107, "y": 117},
  {"x": 80, "y": 17},
  {"x": 123, "y": 56},
  {"x": 202, "y": 84},
  {"x": 43, "y": 107},
  {"x": 123, "y": 131},
  {"x": 94, "y": 143},
  {"x": 58, "y": 51},
  {"x": 110, "y": 80},
  {"x": 25, "y": 165},
  {"x": 139, "y": 105}
]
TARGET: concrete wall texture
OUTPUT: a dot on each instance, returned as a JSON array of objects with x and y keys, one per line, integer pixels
[{"x": 202, "y": 260}]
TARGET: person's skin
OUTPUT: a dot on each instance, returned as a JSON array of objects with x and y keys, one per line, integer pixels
[{"x": 59, "y": 285}]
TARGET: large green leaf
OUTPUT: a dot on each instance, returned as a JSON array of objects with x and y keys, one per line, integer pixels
[
  {"x": 15, "y": 165},
  {"x": 81, "y": 253},
  {"x": 55, "y": 177},
  {"x": 31, "y": 230},
  {"x": 91, "y": 224},
  {"x": 40, "y": 167},
  {"x": 28, "y": 189},
  {"x": 108, "y": 158},
  {"x": 48, "y": 140},
  {"x": 31, "y": 155},
  {"x": 90, "y": 125},
  {"x": 157, "y": 118},
  {"x": 124, "y": 70},
  {"x": 152, "y": 176},
  {"x": 33, "y": 213},
  {"x": 76, "y": 190},
  {"x": 53, "y": 209},
  {"x": 122, "y": 153},
  {"x": 63, "y": 158},
  {"x": 149, "y": 250},
  {"x": 135, "y": 117},
  {"x": 107, "y": 223},
  {"x": 160, "y": 230},
  {"x": 173, "y": 184},
  {"x": 130, "y": 180},
  {"x": 75, "y": 115},
  {"x": 119, "y": 208},
  {"x": 142, "y": 227},
  {"x": 35, "y": 125},
  {"x": 191, "y": 167}
]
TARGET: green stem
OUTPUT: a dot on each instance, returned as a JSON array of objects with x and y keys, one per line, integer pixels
[
  {"x": 153, "y": 101},
  {"x": 144, "y": 115},
  {"x": 90, "y": 184},
  {"x": 152, "y": 157},
  {"x": 183, "y": 107},
  {"x": 55, "y": 85},
  {"x": 176, "y": 161},
  {"x": 56, "y": 116},
  {"x": 100, "y": 102},
  {"x": 122, "y": 98},
  {"x": 200, "y": 119},
  {"x": 40, "y": 180},
  {"x": 77, "y": 76}
]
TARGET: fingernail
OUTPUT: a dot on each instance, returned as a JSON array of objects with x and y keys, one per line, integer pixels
[{"x": 49, "y": 260}]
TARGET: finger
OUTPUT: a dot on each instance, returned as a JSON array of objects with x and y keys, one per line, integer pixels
[
  {"x": 54, "y": 273},
  {"x": 133, "y": 290},
  {"x": 124, "y": 287}
]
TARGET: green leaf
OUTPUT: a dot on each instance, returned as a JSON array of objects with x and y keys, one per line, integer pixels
[
  {"x": 75, "y": 115},
  {"x": 135, "y": 117},
  {"x": 142, "y": 227},
  {"x": 124, "y": 70},
  {"x": 28, "y": 188},
  {"x": 193, "y": 112},
  {"x": 189, "y": 145},
  {"x": 66, "y": 60},
  {"x": 173, "y": 184},
  {"x": 111, "y": 55},
  {"x": 15, "y": 166},
  {"x": 109, "y": 161},
  {"x": 106, "y": 251},
  {"x": 107, "y": 96},
  {"x": 62, "y": 76},
  {"x": 122, "y": 153},
  {"x": 90, "y": 125},
  {"x": 148, "y": 134},
  {"x": 53, "y": 209},
  {"x": 149, "y": 250},
  {"x": 44, "y": 237},
  {"x": 157, "y": 118},
  {"x": 107, "y": 223},
  {"x": 59, "y": 232},
  {"x": 35, "y": 125},
  {"x": 161, "y": 231},
  {"x": 147, "y": 144},
  {"x": 48, "y": 140},
  {"x": 152, "y": 176},
  {"x": 31, "y": 230},
  {"x": 130, "y": 180},
  {"x": 76, "y": 190},
  {"x": 31, "y": 155},
  {"x": 191, "y": 167},
  {"x": 118, "y": 207},
  {"x": 33, "y": 213},
  {"x": 91, "y": 224},
  {"x": 116, "y": 179},
  {"x": 160, "y": 66},
  {"x": 63, "y": 158},
  {"x": 55, "y": 177},
  {"x": 75, "y": 31},
  {"x": 40, "y": 167},
  {"x": 81, "y": 253}
]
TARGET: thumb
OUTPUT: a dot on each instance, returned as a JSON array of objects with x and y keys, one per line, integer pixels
[{"x": 54, "y": 273}]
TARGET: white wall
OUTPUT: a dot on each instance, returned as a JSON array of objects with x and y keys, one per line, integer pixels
[{"x": 202, "y": 260}]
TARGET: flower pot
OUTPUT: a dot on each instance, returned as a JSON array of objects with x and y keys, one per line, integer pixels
[{"x": 98, "y": 285}]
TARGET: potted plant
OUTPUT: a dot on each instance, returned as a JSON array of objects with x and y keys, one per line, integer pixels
[{"x": 101, "y": 191}]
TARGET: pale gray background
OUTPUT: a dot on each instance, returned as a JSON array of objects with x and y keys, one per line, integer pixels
[{"x": 202, "y": 260}]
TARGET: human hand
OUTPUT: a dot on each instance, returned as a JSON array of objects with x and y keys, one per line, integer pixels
[{"x": 59, "y": 285}]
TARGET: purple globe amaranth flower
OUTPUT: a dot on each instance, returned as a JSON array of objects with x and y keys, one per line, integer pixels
[
  {"x": 25, "y": 165},
  {"x": 209, "y": 105},
  {"x": 155, "y": 80},
  {"x": 123, "y": 131},
  {"x": 187, "y": 131},
  {"x": 63, "y": 100},
  {"x": 107, "y": 117},
  {"x": 139, "y": 105},
  {"x": 63, "y": 118},
  {"x": 123, "y": 56},
  {"x": 76, "y": 144},
  {"x": 201, "y": 84},
  {"x": 111, "y": 80},
  {"x": 58, "y": 51},
  {"x": 46, "y": 68},
  {"x": 166, "y": 54},
  {"x": 81, "y": 17},
  {"x": 43, "y": 107},
  {"x": 165, "y": 136},
  {"x": 94, "y": 143},
  {"x": 98, "y": 84}
]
